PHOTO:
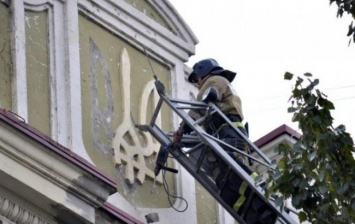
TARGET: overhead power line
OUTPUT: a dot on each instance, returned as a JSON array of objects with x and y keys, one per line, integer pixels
[
  {"x": 341, "y": 87},
  {"x": 285, "y": 108},
  {"x": 283, "y": 96}
]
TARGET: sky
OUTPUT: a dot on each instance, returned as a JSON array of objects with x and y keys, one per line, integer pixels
[{"x": 261, "y": 40}]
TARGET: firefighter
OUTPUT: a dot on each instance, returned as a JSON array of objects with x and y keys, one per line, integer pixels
[{"x": 207, "y": 73}]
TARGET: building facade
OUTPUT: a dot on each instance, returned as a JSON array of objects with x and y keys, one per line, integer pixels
[{"x": 76, "y": 76}]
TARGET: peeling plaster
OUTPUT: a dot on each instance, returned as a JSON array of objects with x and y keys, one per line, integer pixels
[{"x": 101, "y": 116}]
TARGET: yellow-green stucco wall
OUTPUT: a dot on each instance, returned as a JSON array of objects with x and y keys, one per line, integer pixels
[
  {"x": 5, "y": 59},
  {"x": 102, "y": 95},
  {"x": 37, "y": 69}
]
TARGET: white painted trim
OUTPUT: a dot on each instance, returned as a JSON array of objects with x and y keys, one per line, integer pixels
[
  {"x": 16, "y": 210},
  {"x": 73, "y": 94},
  {"x": 42, "y": 2},
  {"x": 57, "y": 75},
  {"x": 134, "y": 27},
  {"x": 18, "y": 39},
  {"x": 180, "y": 27},
  {"x": 185, "y": 39},
  {"x": 60, "y": 111}
]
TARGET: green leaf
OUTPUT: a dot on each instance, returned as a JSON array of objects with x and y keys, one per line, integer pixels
[
  {"x": 298, "y": 166},
  {"x": 297, "y": 146},
  {"x": 351, "y": 29},
  {"x": 299, "y": 81},
  {"x": 353, "y": 205},
  {"x": 311, "y": 99},
  {"x": 317, "y": 119},
  {"x": 288, "y": 76},
  {"x": 323, "y": 189},
  {"x": 274, "y": 161},
  {"x": 347, "y": 140},
  {"x": 342, "y": 189},
  {"x": 303, "y": 91},
  {"x": 296, "y": 93},
  {"x": 307, "y": 74},
  {"x": 295, "y": 117},
  {"x": 295, "y": 182},
  {"x": 279, "y": 202},
  {"x": 296, "y": 200},
  {"x": 302, "y": 216},
  {"x": 292, "y": 109},
  {"x": 323, "y": 136},
  {"x": 317, "y": 171},
  {"x": 319, "y": 94},
  {"x": 312, "y": 155},
  {"x": 315, "y": 82},
  {"x": 321, "y": 175},
  {"x": 328, "y": 105},
  {"x": 277, "y": 175},
  {"x": 340, "y": 128},
  {"x": 345, "y": 213},
  {"x": 303, "y": 184}
]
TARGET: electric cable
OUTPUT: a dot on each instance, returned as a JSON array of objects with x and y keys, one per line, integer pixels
[
  {"x": 273, "y": 97},
  {"x": 150, "y": 64},
  {"x": 283, "y": 108},
  {"x": 166, "y": 189},
  {"x": 344, "y": 98},
  {"x": 165, "y": 184},
  {"x": 340, "y": 87}
]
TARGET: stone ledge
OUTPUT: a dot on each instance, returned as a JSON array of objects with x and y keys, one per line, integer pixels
[{"x": 45, "y": 168}]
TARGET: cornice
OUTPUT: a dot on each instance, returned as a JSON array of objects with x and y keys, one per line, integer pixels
[
  {"x": 19, "y": 214},
  {"x": 136, "y": 28},
  {"x": 53, "y": 162}
]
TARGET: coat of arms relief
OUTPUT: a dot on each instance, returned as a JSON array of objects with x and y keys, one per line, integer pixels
[{"x": 130, "y": 149}]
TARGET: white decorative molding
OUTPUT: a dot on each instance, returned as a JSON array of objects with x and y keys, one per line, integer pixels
[
  {"x": 19, "y": 214},
  {"x": 63, "y": 45},
  {"x": 72, "y": 91},
  {"x": 18, "y": 39},
  {"x": 57, "y": 73},
  {"x": 134, "y": 27},
  {"x": 181, "y": 28}
]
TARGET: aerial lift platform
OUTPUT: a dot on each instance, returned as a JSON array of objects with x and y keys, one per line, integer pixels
[{"x": 193, "y": 155}]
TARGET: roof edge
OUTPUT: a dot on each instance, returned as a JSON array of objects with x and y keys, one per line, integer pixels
[
  {"x": 281, "y": 130},
  {"x": 120, "y": 214}
]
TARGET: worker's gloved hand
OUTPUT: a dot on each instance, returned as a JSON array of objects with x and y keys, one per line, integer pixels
[{"x": 177, "y": 137}]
